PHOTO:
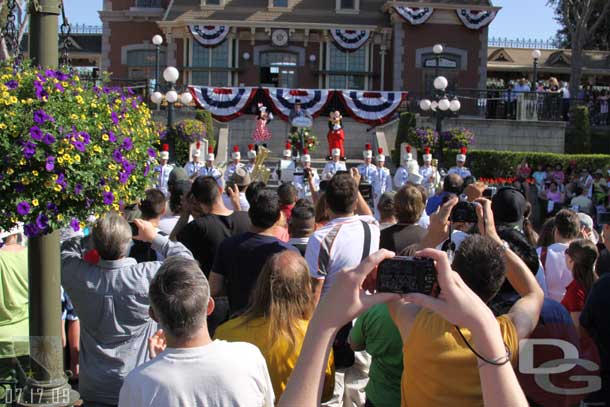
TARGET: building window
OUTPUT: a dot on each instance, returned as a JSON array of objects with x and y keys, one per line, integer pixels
[
  {"x": 218, "y": 3},
  {"x": 280, "y": 3},
  {"x": 347, "y": 70},
  {"x": 347, "y": 6},
  {"x": 148, "y": 3},
  {"x": 141, "y": 63},
  {"x": 210, "y": 66},
  {"x": 279, "y": 69}
]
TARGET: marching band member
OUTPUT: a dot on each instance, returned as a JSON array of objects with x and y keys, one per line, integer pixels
[
  {"x": 310, "y": 177},
  {"x": 209, "y": 170},
  {"x": 383, "y": 180},
  {"x": 459, "y": 168},
  {"x": 431, "y": 176},
  {"x": 333, "y": 166},
  {"x": 367, "y": 170},
  {"x": 285, "y": 162},
  {"x": 402, "y": 175},
  {"x": 164, "y": 169},
  {"x": 336, "y": 135},
  {"x": 193, "y": 167},
  {"x": 251, "y": 159},
  {"x": 236, "y": 163}
]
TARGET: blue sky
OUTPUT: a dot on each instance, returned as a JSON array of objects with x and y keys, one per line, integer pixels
[{"x": 517, "y": 19}]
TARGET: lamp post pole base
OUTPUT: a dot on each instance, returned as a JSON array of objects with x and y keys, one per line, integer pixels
[{"x": 54, "y": 393}]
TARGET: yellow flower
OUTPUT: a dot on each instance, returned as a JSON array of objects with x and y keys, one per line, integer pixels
[
  {"x": 25, "y": 181},
  {"x": 13, "y": 100},
  {"x": 79, "y": 99},
  {"x": 97, "y": 149},
  {"x": 104, "y": 137},
  {"x": 2, "y": 126},
  {"x": 77, "y": 158},
  {"x": 115, "y": 207},
  {"x": 22, "y": 161},
  {"x": 35, "y": 173},
  {"x": 67, "y": 157},
  {"x": 74, "y": 116},
  {"x": 106, "y": 188},
  {"x": 60, "y": 217},
  {"x": 111, "y": 167},
  {"x": 10, "y": 171},
  {"x": 60, "y": 160},
  {"x": 57, "y": 187},
  {"x": 60, "y": 151},
  {"x": 35, "y": 202}
]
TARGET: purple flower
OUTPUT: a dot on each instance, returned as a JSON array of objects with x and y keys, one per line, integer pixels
[
  {"x": 127, "y": 144},
  {"x": 88, "y": 202},
  {"x": 61, "y": 76},
  {"x": 42, "y": 221},
  {"x": 128, "y": 167},
  {"x": 31, "y": 230},
  {"x": 79, "y": 145},
  {"x": 52, "y": 207},
  {"x": 50, "y": 164},
  {"x": 29, "y": 149},
  {"x": 108, "y": 198},
  {"x": 111, "y": 137},
  {"x": 48, "y": 139},
  {"x": 78, "y": 188},
  {"x": 152, "y": 152},
  {"x": 50, "y": 73},
  {"x": 36, "y": 133},
  {"x": 115, "y": 118},
  {"x": 123, "y": 177},
  {"x": 134, "y": 104},
  {"x": 40, "y": 117},
  {"x": 12, "y": 84},
  {"x": 75, "y": 225},
  {"x": 61, "y": 180},
  {"x": 23, "y": 208},
  {"x": 86, "y": 137},
  {"x": 146, "y": 169},
  {"x": 19, "y": 187},
  {"x": 117, "y": 156},
  {"x": 59, "y": 87},
  {"x": 130, "y": 91}
]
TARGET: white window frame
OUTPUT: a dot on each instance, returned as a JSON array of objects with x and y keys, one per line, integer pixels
[
  {"x": 204, "y": 4},
  {"x": 340, "y": 10},
  {"x": 367, "y": 64},
  {"x": 191, "y": 44}
]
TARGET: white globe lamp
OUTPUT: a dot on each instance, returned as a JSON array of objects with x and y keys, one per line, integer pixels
[
  {"x": 455, "y": 105},
  {"x": 157, "y": 40},
  {"x": 441, "y": 83},
  {"x": 186, "y": 98},
  {"x": 437, "y": 49},
  {"x": 434, "y": 105},
  {"x": 171, "y": 74},
  {"x": 425, "y": 105},
  {"x": 444, "y": 104},
  {"x": 156, "y": 97},
  {"x": 171, "y": 96},
  {"x": 536, "y": 54}
]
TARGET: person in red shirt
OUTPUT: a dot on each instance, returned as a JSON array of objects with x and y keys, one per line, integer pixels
[{"x": 581, "y": 256}]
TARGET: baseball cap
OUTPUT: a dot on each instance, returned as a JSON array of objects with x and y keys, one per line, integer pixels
[
  {"x": 178, "y": 174},
  {"x": 508, "y": 206},
  {"x": 240, "y": 177}
]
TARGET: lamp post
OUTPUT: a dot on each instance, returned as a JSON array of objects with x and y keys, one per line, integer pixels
[
  {"x": 441, "y": 106},
  {"x": 536, "y": 54},
  {"x": 157, "y": 40},
  {"x": 437, "y": 50},
  {"x": 171, "y": 75}
]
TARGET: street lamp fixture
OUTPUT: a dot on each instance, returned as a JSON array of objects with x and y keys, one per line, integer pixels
[
  {"x": 441, "y": 106},
  {"x": 157, "y": 40},
  {"x": 536, "y": 54},
  {"x": 437, "y": 49}
]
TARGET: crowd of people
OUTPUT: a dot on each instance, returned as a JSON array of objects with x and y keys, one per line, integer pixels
[{"x": 216, "y": 289}]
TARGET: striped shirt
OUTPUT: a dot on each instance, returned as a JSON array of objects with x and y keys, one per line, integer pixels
[{"x": 337, "y": 245}]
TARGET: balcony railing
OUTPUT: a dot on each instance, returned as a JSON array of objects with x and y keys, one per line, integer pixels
[
  {"x": 148, "y": 3},
  {"x": 521, "y": 43}
]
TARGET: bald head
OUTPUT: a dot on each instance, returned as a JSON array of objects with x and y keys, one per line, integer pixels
[{"x": 453, "y": 183}]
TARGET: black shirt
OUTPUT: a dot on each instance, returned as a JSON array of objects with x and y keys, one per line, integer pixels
[
  {"x": 400, "y": 236},
  {"x": 240, "y": 260},
  {"x": 203, "y": 235},
  {"x": 603, "y": 263}
]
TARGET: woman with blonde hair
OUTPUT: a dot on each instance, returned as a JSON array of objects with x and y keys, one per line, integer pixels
[{"x": 277, "y": 317}]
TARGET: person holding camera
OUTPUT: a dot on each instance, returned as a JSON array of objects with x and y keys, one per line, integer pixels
[{"x": 307, "y": 183}]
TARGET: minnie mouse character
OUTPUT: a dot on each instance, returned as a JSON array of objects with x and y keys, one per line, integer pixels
[
  {"x": 261, "y": 132},
  {"x": 336, "y": 135}
]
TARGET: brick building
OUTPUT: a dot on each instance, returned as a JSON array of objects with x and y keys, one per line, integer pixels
[{"x": 298, "y": 43}]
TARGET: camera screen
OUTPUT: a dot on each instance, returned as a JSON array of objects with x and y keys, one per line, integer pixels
[{"x": 406, "y": 275}]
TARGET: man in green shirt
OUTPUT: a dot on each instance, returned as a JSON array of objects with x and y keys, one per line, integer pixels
[{"x": 375, "y": 332}]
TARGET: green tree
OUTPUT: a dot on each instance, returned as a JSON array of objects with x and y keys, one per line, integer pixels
[{"x": 406, "y": 126}]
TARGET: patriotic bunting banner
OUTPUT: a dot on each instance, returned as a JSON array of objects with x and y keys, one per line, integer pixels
[
  {"x": 475, "y": 19},
  {"x": 283, "y": 100},
  {"x": 225, "y": 104},
  {"x": 414, "y": 15},
  {"x": 372, "y": 108},
  {"x": 350, "y": 40},
  {"x": 209, "y": 35}
]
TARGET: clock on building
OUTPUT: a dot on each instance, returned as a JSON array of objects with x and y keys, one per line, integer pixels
[{"x": 279, "y": 38}]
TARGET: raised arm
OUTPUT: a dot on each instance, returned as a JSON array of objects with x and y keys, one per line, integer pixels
[
  {"x": 362, "y": 208},
  {"x": 148, "y": 233}
]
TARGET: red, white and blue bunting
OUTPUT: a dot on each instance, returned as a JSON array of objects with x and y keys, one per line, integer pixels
[
  {"x": 475, "y": 19},
  {"x": 350, "y": 40},
  {"x": 209, "y": 35},
  {"x": 372, "y": 108},
  {"x": 225, "y": 104},
  {"x": 414, "y": 15},
  {"x": 283, "y": 100}
]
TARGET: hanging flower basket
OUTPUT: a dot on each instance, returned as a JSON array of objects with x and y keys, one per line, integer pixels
[
  {"x": 310, "y": 142},
  {"x": 68, "y": 149},
  {"x": 188, "y": 132}
]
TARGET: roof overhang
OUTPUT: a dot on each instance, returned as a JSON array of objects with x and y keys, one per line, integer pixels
[{"x": 439, "y": 6}]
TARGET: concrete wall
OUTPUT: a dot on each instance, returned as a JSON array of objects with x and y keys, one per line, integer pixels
[{"x": 503, "y": 135}]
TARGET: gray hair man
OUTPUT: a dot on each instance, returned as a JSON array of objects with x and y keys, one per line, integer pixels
[
  {"x": 111, "y": 299},
  {"x": 191, "y": 369}
]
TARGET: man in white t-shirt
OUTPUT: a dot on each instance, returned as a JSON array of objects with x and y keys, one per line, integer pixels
[
  {"x": 191, "y": 369},
  {"x": 557, "y": 274},
  {"x": 337, "y": 245}
]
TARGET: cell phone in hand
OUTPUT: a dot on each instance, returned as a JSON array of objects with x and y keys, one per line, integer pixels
[
  {"x": 405, "y": 274},
  {"x": 464, "y": 212},
  {"x": 603, "y": 218},
  {"x": 490, "y": 192}
]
